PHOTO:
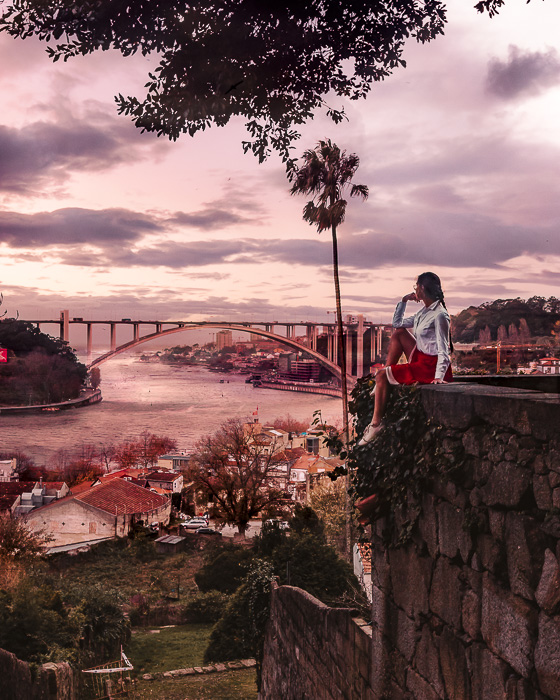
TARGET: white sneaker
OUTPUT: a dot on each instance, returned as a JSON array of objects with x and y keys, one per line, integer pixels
[{"x": 369, "y": 433}]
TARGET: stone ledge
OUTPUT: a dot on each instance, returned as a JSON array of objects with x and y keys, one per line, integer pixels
[
  {"x": 459, "y": 405},
  {"x": 201, "y": 670}
]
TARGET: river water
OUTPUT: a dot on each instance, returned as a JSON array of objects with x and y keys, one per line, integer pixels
[{"x": 184, "y": 403}]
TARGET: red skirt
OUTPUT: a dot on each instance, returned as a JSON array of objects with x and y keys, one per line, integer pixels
[{"x": 420, "y": 369}]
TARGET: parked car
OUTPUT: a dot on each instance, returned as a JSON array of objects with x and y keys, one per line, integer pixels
[
  {"x": 282, "y": 524},
  {"x": 195, "y": 523},
  {"x": 208, "y": 531}
]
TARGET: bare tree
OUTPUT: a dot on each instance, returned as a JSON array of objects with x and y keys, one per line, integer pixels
[{"x": 237, "y": 473}]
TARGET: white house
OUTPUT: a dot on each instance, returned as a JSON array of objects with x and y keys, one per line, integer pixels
[{"x": 98, "y": 513}]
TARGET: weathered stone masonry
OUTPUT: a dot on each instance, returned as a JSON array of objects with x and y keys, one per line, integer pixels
[
  {"x": 313, "y": 652},
  {"x": 470, "y": 607},
  {"x": 48, "y": 682}
]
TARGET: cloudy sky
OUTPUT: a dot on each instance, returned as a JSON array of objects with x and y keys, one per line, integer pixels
[{"x": 460, "y": 151}]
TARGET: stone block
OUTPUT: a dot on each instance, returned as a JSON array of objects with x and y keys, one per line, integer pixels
[
  {"x": 525, "y": 547},
  {"x": 552, "y": 460},
  {"x": 542, "y": 491},
  {"x": 496, "y": 451},
  {"x": 393, "y": 622},
  {"x": 504, "y": 407},
  {"x": 497, "y": 523},
  {"x": 420, "y": 688},
  {"x": 380, "y": 678},
  {"x": 427, "y": 523},
  {"x": 556, "y": 497},
  {"x": 450, "y": 405},
  {"x": 545, "y": 418},
  {"x": 508, "y": 626},
  {"x": 482, "y": 469},
  {"x": 452, "y": 536},
  {"x": 475, "y": 497},
  {"x": 445, "y": 592},
  {"x": 454, "y": 666},
  {"x": 426, "y": 660},
  {"x": 476, "y": 562},
  {"x": 488, "y": 672},
  {"x": 473, "y": 440},
  {"x": 454, "y": 494},
  {"x": 410, "y": 578},
  {"x": 506, "y": 485},
  {"x": 470, "y": 613},
  {"x": 551, "y": 526},
  {"x": 492, "y": 554},
  {"x": 362, "y": 638},
  {"x": 379, "y": 566},
  {"x": 553, "y": 479},
  {"x": 219, "y": 667},
  {"x": 547, "y": 656},
  {"x": 538, "y": 466},
  {"x": 547, "y": 594},
  {"x": 399, "y": 666}
]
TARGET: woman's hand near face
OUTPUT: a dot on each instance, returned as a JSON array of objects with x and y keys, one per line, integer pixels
[{"x": 410, "y": 297}]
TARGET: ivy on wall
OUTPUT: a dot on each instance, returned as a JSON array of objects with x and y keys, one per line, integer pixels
[{"x": 398, "y": 464}]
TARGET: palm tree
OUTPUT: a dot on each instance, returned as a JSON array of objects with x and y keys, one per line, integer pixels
[{"x": 326, "y": 173}]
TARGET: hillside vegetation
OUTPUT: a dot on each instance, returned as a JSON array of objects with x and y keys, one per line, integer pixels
[
  {"x": 40, "y": 369},
  {"x": 513, "y": 320}
]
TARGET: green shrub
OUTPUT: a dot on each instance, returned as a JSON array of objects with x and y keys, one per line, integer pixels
[
  {"x": 307, "y": 561},
  {"x": 205, "y": 607},
  {"x": 239, "y": 634},
  {"x": 224, "y": 571}
]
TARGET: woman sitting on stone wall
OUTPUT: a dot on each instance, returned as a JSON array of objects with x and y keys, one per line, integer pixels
[{"x": 426, "y": 345}]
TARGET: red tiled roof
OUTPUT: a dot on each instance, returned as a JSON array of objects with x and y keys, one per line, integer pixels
[
  {"x": 291, "y": 453},
  {"x": 81, "y": 487},
  {"x": 162, "y": 476},
  {"x": 123, "y": 497},
  {"x": 120, "y": 474},
  {"x": 10, "y": 490}
]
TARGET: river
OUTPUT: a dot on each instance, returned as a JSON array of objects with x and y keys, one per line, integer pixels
[{"x": 184, "y": 403}]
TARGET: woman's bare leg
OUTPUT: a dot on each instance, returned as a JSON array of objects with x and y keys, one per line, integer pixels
[
  {"x": 381, "y": 389},
  {"x": 401, "y": 341}
]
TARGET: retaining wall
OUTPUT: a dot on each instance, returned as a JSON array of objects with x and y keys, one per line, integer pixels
[
  {"x": 470, "y": 607},
  {"x": 313, "y": 652},
  {"x": 47, "y": 682}
]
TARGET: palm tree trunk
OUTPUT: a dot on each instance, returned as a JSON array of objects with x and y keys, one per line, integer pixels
[{"x": 344, "y": 383}]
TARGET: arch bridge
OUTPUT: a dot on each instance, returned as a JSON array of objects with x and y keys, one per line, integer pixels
[{"x": 354, "y": 328}]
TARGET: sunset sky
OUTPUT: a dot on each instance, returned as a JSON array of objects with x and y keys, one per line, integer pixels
[{"x": 460, "y": 151}]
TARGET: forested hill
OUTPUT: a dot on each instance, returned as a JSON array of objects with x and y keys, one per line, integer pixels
[
  {"x": 513, "y": 320},
  {"x": 40, "y": 369}
]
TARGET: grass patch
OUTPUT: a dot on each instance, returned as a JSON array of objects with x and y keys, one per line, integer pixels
[
  {"x": 231, "y": 685},
  {"x": 168, "y": 648},
  {"x": 131, "y": 567}
]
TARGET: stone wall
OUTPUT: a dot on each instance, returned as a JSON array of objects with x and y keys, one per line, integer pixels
[
  {"x": 313, "y": 652},
  {"x": 470, "y": 607},
  {"x": 47, "y": 682}
]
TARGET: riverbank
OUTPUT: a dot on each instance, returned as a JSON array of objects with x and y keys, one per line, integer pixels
[
  {"x": 301, "y": 387},
  {"x": 87, "y": 398}
]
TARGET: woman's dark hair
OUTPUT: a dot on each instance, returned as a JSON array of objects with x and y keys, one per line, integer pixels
[{"x": 432, "y": 284}]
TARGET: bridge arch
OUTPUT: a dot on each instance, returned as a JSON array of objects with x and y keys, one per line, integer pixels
[{"x": 333, "y": 368}]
